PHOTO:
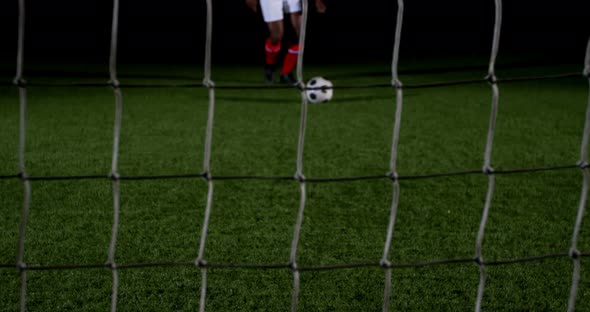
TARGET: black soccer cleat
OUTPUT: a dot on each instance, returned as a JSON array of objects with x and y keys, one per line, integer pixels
[
  {"x": 269, "y": 73},
  {"x": 288, "y": 79}
]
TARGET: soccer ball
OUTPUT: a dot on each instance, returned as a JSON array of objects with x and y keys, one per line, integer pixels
[{"x": 319, "y": 90}]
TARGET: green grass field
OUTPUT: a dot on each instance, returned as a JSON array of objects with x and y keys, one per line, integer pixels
[{"x": 69, "y": 132}]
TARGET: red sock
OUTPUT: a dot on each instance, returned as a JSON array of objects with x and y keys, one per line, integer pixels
[
  {"x": 290, "y": 59},
  {"x": 271, "y": 51}
]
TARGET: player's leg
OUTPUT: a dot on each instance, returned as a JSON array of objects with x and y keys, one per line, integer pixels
[
  {"x": 294, "y": 7},
  {"x": 272, "y": 12},
  {"x": 296, "y": 22},
  {"x": 272, "y": 47},
  {"x": 276, "y": 31}
]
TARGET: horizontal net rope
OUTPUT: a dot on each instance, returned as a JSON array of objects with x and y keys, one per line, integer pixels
[
  {"x": 294, "y": 178},
  {"x": 427, "y": 85},
  {"x": 302, "y": 268}
]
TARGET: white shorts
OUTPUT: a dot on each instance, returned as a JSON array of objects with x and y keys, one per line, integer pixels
[{"x": 272, "y": 10}]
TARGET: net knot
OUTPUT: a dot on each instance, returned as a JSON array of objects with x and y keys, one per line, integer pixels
[
  {"x": 582, "y": 164},
  {"x": 491, "y": 78},
  {"x": 114, "y": 83},
  {"x": 487, "y": 170},
  {"x": 396, "y": 83},
  {"x": 208, "y": 83},
  {"x": 23, "y": 176},
  {"x": 207, "y": 176},
  {"x": 574, "y": 253},
  {"x": 114, "y": 176},
  {"x": 19, "y": 82},
  {"x": 586, "y": 72},
  {"x": 393, "y": 176},
  {"x": 201, "y": 263},
  {"x": 111, "y": 265},
  {"x": 21, "y": 266},
  {"x": 293, "y": 266},
  {"x": 479, "y": 261},
  {"x": 300, "y": 86},
  {"x": 384, "y": 263},
  {"x": 299, "y": 177}
]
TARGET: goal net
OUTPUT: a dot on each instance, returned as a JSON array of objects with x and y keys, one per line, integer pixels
[{"x": 292, "y": 265}]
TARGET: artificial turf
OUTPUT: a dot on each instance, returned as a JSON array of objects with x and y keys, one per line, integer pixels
[{"x": 69, "y": 133}]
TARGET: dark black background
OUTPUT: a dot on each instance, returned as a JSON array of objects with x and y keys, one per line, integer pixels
[{"x": 173, "y": 31}]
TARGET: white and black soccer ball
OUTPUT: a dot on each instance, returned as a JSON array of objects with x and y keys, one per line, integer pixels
[{"x": 319, "y": 90}]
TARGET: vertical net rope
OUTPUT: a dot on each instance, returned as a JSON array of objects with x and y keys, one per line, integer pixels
[
  {"x": 396, "y": 83},
  {"x": 114, "y": 174},
  {"x": 487, "y": 168},
  {"x": 583, "y": 163},
  {"x": 208, "y": 83},
  {"x": 299, "y": 173},
  {"x": 22, "y": 89}
]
